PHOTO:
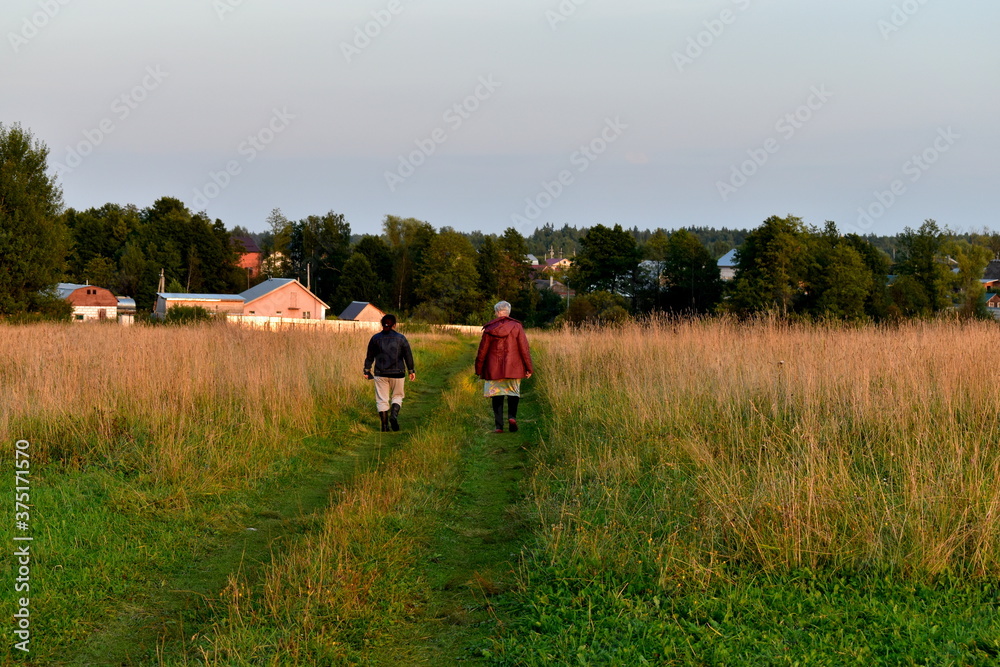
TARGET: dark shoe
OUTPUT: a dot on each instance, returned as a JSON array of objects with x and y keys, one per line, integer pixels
[
  {"x": 513, "y": 425},
  {"x": 384, "y": 417},
  {"x": 393, "y": 413}
]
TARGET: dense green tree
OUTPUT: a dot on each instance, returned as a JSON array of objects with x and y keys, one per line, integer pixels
[
  {"x": 102, "y": 271},
  {"x": 877, "y": 263},
  {"x": 514, "y": 271},
  {"x": 33, "y": 237},
  {"x": 679, "y": 275},
  {"x": 771, "y": 267},
  {"x": 99, "y": 233},
  {"x": 837, "y": 280},
  {"x": 969, "y": 291},
  {"x": 488, "y": 259},
  {"x": 359, "y": 283},
  {"x": 607, "y": 261},
  {"x": 408, "y": 239},
  {"x": 448, "y": 277},
  {"x": 600, "y": 307},
  {"x": 504, "y": 272},
  {"x": 317, "y": 250},
  {"x": 922, "y": 256}
]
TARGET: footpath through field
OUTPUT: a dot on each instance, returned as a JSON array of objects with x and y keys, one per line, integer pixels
[{"x": 452, "y": 520}]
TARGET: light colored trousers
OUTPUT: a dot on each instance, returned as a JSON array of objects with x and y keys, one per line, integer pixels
[{"x": 388, "y": 390}]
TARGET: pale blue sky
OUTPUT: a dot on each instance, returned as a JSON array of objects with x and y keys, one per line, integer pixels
[{"x": 887, "y": 80}]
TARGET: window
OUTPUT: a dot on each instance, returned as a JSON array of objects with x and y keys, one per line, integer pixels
[{"x": 78, "y": 317}]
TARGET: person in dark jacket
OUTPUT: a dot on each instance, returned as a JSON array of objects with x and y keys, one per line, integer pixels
[
  {"x": 503, "y": 360},
  {"x": 387, "y": 363}
]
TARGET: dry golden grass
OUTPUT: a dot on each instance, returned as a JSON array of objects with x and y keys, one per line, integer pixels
[
  {"x": 685, "y": 446},
  {"x": 208, "y": 406}
]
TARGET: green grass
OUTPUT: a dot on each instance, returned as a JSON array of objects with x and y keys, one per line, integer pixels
[
  {"x": 128, "y": 566},
  {"x": 415, "y": 562},
  {"x": 672, "y": 511},
  {"x": 795, "y": 618}
]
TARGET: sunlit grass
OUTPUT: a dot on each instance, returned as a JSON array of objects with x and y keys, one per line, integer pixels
[{"x": 683, "y": 447}]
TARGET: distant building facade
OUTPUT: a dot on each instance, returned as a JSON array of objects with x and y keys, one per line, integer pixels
[
  {"x": 362, "y": 311},
  {"x": 727, "y": 265},
  {"x": 217, "y": 304},
  {"x": 251, "y": 257},
  {"x": 90, "y": 302},
  {"x": 283, "y": 297}
]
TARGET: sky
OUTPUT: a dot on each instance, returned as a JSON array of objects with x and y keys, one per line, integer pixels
[{"x": 876, "y": 114}]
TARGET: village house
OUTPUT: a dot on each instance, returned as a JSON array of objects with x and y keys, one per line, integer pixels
[
  {"x": 550, "y": 283},
  {"x": 282, "y": 297},
  {"x": 362, "y": 311},
  {"x": 89, "y": 302},
  {"x": 217, "y": 304},
  {"x": 993, "y": 301},
  {"x": 251, "y": 256},
  {"x": 275, "y": 297},
  {"x": 727, "y": 265}
]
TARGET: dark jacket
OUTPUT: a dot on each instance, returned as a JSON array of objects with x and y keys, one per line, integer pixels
[
  {"x": 390, "y": 352},
  {"x": 503, "y": 351}
]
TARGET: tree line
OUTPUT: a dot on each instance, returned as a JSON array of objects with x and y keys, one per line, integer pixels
[{"x": 442, "y": 275}]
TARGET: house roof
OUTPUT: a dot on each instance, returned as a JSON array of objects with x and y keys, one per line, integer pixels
[
  {"x": 265, "y": 287},
  {"x": 355, "y": 309},
  {"x": 200, "y": 297},
  {"x": 728, "y": 260},
  {"x": 992, "y": 271},
  {"x": 245, "y": 244},
  {"x": 65, "y": 289}
]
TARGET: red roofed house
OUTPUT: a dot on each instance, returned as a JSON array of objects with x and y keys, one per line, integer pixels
[
  {"x": 89, "y": 301},
  {"x": 250, "y": 255}
]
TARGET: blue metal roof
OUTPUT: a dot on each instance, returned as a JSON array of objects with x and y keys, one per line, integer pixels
[
  {"x": 355, "y": 309},
  {"x": 729, "y": 259},
  {"x": 65, "y": 289},
  {"x": 265, "y": 287}
]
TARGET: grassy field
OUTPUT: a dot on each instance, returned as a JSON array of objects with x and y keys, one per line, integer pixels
[
  {"x": 711, "y": 493},
  {"x": 681, "y": 493}
]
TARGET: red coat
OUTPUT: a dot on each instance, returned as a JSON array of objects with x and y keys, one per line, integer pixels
[{"x": 503, "y": 351}]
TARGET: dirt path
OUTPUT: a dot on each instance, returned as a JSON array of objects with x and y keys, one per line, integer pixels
[
  {"x": 470, "y": 567},
  {"x": 187, "y": 603}
]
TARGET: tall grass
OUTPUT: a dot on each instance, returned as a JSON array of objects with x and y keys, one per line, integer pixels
[
  {"x": 680, "y": 449},
  {"x": 206, "y": 406}
]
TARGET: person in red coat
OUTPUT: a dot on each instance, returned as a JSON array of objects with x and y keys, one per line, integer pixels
[{"x": 503, "y": 360}]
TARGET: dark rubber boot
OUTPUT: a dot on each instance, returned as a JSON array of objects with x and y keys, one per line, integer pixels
[
  {"x": 512, "y": 402},
  {"x": 498, "y": 414},
  {"x": 384, "y": 417},
  {"x": 393, "y": 414}
]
